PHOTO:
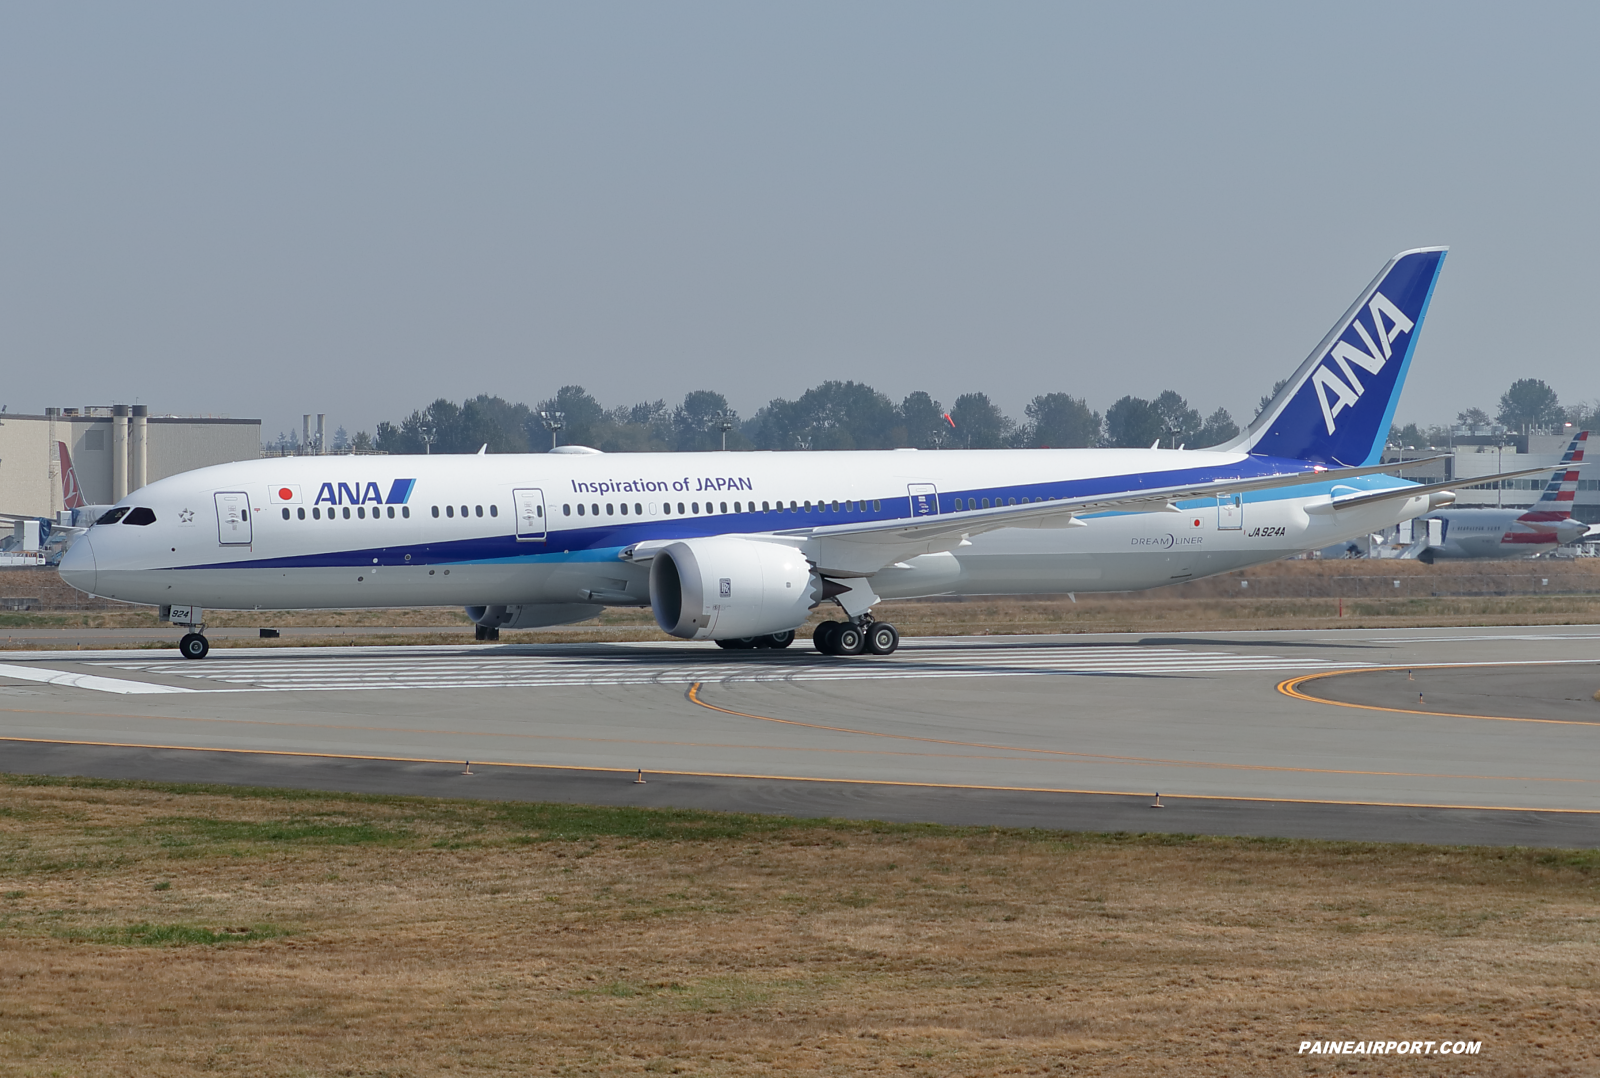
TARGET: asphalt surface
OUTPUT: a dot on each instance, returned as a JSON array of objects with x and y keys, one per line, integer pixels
[{"x": 1075, "y": 732}]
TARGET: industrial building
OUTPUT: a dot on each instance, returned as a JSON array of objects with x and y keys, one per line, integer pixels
[{"x": 114, "y": 449}]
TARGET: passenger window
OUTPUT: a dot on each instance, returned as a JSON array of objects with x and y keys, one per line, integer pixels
[
  {"x": 808, "y": 507},
  {"x": 538, "y": 510},
  {"x": 1011, "y": 501},
  {"x": 450, "y": 511},
  {"x": 140, "y": 516},
  {"x": 113, "y": 516},
  {"x": 794, "y": 507},
  {"x": 877, "y": 506},
  {"x": 580, "y": 509},
  {"x": 680, "y": 509},
  {"x": 595, "y": 509},
  {"x": 391, "y": 512},
  {"x": 624, "y": 507},
  {"x": 286, "y": 514},
  {"x": 436, "y": 510},
  {"x": 494, "y": 510},
  {"x": 477, "y": 508},
  {"x": 835, "y": 507},
  {"x": 301, "y": 513},
  {"x": 986, "y": 503},
  {"x": 696, "y": 506},
  {"x": 611, "y": 510},
  {"x": 361, "y": 511},
  {"x": 316, "y": 514},
  {"x": 347, "y": 512},
  {"x": 405, "y": 511},
  {"x": 638, "y": 510},
  {"x": 566, "y": 510},
  {"x": 463, "y": 510},
  {"x": 666, "y": 507},
  {"x": 724, "y": 507},
  {"x": 765, "y": 507}
]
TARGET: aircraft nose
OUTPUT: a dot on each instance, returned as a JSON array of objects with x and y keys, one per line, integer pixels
[{"x": 78, "y": 565}]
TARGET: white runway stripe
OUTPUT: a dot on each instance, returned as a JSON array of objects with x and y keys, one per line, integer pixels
[{"x": 524, "y": 670}]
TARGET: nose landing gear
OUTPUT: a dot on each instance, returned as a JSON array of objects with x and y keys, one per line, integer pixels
[{"x": 194, "y": 646}]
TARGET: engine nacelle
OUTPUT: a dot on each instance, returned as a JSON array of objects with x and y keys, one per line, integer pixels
[
  {"x": 532, "y": 615},
  {"x": 722, "y": 588}
]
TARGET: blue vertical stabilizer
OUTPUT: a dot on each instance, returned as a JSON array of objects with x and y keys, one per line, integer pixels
[{"x": 1337, "y": 408}]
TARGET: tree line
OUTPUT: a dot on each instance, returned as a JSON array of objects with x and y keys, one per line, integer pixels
[
  {"x": 1528, "y": 405},
  {"x": 833, "y": 415},
  {"x": 852, "y": 415}
]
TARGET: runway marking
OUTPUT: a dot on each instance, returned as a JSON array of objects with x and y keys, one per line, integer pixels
[
  {"x": 694, "y": 697},
  {"x": 86, "y": 681},
  {"x": 1291, "y": 687},
  {"x": 625, "y": 772},
  {"x": 358, "y": 672}
]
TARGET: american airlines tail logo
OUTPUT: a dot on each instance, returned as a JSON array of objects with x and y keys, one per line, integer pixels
[{"x": 1336, "y": 393}]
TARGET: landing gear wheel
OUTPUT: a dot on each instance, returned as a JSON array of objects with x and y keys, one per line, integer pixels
[
  {"x": 194, "y": 646},
  {"x": 882, "y": 638},
  {"x": 739, "y": 643},
  {"x": 848, "y": 639},
  {"x": 776, "y": 640},
  {"x": 823, "y": 636}
]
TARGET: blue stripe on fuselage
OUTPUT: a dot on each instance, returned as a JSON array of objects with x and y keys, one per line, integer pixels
[{"x": 601, "y": 543}]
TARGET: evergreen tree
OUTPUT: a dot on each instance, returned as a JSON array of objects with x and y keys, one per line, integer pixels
[{"x": 1060, "y": 421}]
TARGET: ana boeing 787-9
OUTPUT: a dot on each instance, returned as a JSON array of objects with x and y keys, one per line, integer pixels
[{"x": 740, "y": 547}]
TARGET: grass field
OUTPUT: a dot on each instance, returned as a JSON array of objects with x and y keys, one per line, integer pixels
[{"x": 148, "y": 929}]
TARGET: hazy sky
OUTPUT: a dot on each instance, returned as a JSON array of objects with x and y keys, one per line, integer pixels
[{"x": 356, "y": 208}]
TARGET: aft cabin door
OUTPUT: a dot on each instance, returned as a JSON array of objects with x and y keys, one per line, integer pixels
[
  {"x": 529, "y": 502},
  {"x": 1230, "y": 512},
  {"x": 233, "y": 518},
  {"x": 924, "y": 499}
]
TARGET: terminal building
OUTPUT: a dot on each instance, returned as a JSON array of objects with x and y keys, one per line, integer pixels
[{"x": 113, "y": 449}]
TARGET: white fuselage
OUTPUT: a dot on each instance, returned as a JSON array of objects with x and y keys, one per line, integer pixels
[{"x": 375, "y": 531}]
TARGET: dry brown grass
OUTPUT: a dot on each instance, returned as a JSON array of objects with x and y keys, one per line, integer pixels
[{"x": 395, "y": 937}]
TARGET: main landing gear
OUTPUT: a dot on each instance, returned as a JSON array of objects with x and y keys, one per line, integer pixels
[
  {"x": 855, "y": 637},
  {"x": 194, "y": 646},
  {"x": 770, "y": 640},
  {"x": 486, "y": 632}
]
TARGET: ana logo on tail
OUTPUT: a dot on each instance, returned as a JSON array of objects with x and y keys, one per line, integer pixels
[
  {"x": 1347, "y": 391},
  {"x": 71, "y": 493}
]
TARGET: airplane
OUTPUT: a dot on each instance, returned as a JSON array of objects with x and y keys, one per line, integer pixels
[
  {"x": 739, "y": 548},
  {"x": 1515, "y": 532}
]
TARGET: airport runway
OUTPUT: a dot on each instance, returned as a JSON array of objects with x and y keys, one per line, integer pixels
[{"x": 1448, "y": 735}]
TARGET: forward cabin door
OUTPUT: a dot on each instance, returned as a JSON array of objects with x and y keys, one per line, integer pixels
[
  {"x": 233, "y": 518},
  {"x": 924, "y": 499},
  {"x": 529, "y": 505}
]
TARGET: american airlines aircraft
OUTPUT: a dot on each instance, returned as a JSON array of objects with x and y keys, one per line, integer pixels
[
  {"x": 740, "y": 547},
  {"x": 1514, "y": 533}
]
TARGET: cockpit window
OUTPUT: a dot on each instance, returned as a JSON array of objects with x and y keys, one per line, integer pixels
[
  {"x": 114, "y": 516},
  {"x": 140, "y": 516}
]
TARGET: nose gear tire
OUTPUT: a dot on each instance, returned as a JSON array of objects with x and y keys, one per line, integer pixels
[{"x": 194, "y": 646}]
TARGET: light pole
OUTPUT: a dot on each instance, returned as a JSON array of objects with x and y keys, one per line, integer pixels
[
  {"x": 426, "y": 431},
  {"x": 725, "y": 424},
  {"x": 553, "y": 422}
]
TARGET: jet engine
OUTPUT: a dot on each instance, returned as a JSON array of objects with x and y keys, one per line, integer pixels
[
  {"x": 722, "y": 587},
  {"x": 531, "y": 615}
]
